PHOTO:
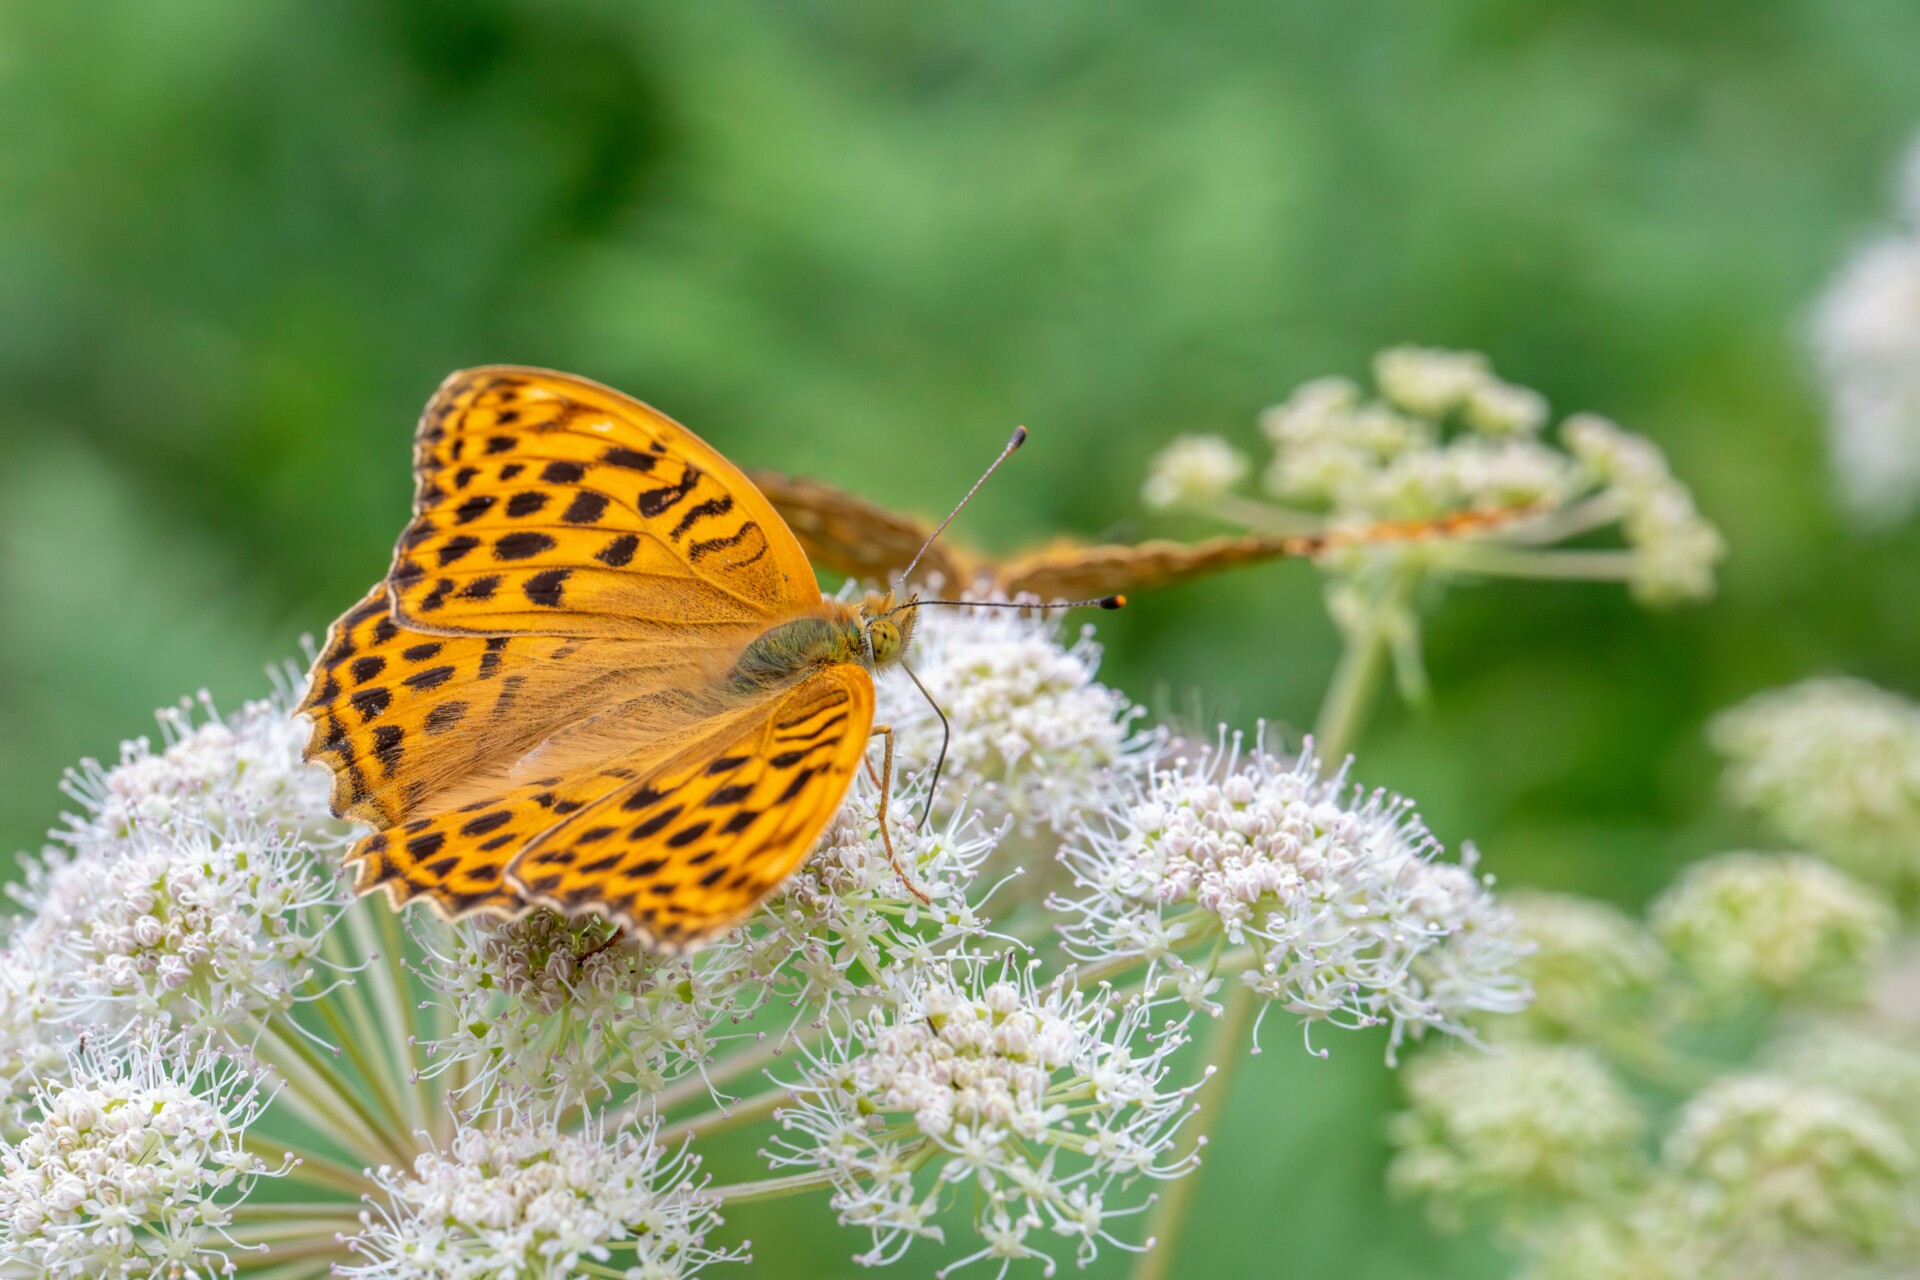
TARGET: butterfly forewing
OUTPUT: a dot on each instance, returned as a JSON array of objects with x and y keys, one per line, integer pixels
[
  {"x": 683, "y": 852},
  {"x": 548, "y": 504}
]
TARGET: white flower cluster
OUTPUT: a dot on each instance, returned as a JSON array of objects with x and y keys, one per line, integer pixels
[
  {"x": 1780, "y": 1158},
  {"x": 1782, "y": 925},
  {"x": 1035, "y": 735},
  {"x": 131, "y": 1164},
  {"x": 1193, "y": 470},
  {"x": 849, "y": 918},
  {"x": 1333, "y": 899},
  {"x": 1834, "y": 765},
  {"x": 188, "y": 893},
  {"x": 1866, "y": 335},
  {"x": 186, "y": 925},
  {"x": 1446, "y": 435},
  {"x": 1036, "y": 1101},
  {"x": 548, "y": 1006},
  {"x": 1592, "y": 966},
  {"x": 524, "y": 1197},
  {"x": 1675, "y": 548},
  {"x": 1533, "y": 1123},
  {"x": 209, "y": 771}
]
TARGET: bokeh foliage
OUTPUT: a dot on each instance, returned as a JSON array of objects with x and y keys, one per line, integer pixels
[{"x": 241, "y": 242}]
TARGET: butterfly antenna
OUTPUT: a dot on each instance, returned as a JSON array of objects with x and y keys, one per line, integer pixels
[
  {"x": 1096, "y": 602},
  {"x": 940, "y": 761},
  {"x": 1019, "y": 438}
]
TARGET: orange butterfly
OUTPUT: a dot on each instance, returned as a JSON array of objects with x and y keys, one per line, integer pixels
[{"x": 600, "y": 675}]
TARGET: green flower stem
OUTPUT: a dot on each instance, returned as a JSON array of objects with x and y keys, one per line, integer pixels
[
  {"x": 393, "y": 997},
  {"x": 320, "y": 1270},
  {"x": 314, "y": 1168},
  {"x": 800, "y": 1183},
  {"x": 1262, "y": 517},
  {"x": 771, "y": 1188},
  {"x": 1168, "y": 1220},
  {"x": 762, "y": 1055},
  {"x": 325, "y": 1099},
  {"x": 746, "y": 1111},
  {"x": 1594, "y": 512},
  {"x": 1520, "y": 562},
  {"x": 348, "y": 1020},
  {"x": 1356, "y": 680}
]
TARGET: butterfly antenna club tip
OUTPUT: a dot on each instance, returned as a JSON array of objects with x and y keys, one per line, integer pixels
[
  {"x": 1019, "y": 438},
  {"x": 1113, "y": 602}
]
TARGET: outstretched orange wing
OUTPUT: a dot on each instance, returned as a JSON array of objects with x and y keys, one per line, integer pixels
[{"x": 578, "y": 569}]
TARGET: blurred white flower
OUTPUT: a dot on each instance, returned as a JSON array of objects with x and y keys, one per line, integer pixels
[
  {"x": 520, "y": 1196},
  {"x": 1502, "y": 408},
  {"x": 1592, "y": 967},
  {"x": 1447, "y": 436},
  {"x": 1534, "y": 1123},
  {"x": 132, "y": 1165},
  {"x": 1035, "y": 734},
  {"x": 1193, "y": 471},
  {"x": 1781, "y": 925},
  {"x": 1834, "y": 764},
  {"x": 1865, "y": 333},
  {"x": 1865, "y": 1058},
  {"x": 1336, "y": 894},
  {"x": 1676, "y": 549},
  {"x": 30, "y": 1034},
  {"x": 1656, "y": 1235},
  {"x": 1782, "y": 1160},
  {"x": 1036, "y": 1104},
  {"x": 1430, "y": 381}
]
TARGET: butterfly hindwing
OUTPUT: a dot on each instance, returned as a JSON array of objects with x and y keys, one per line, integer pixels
[
  {"x": 457, "y": 861},
  {"x": 684, "y": 852},
  {"x": 548, "y": 504}
]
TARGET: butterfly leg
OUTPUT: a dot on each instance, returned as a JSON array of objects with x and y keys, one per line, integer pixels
[
  {"x": 612, "y": 938},
  {"x": 886, "y": 835}
]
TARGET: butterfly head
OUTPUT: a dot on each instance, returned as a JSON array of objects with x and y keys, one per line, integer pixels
[{"x": 887, "y": 627}]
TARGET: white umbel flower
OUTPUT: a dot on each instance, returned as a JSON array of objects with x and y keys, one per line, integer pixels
[
  {"x": 1536, "y": 1123},
  {"x": 1193, "y": 471},
  {"x": 1786, "y": 1160},
  {"x": 1037, "y": 1104},
  {"x": 1676, "y": 549},
  {"x": 132, "y": 1165},
  {"x": 30, "y": 1034},
  {"x": 1780, "y": 925},
  {"x": 1866, "y": 335},
  {"x": 181, "y": 925},
  {"x": 560, "y": 1008},
  {"x": 208, "y": 772},
  {"x": 1592, "y": 966},
  {"x": 520, "y": 1197},
  {"x": 1035, "y": 733},
  {"x": 849, "y": 916},
  {"x": 1834, "y": 765},
  {"x": 1430, "y": 381},
  {"x": 1336, "y": 895}
]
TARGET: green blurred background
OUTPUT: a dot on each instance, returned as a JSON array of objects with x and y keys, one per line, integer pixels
[{"x": 240, "y": 243}]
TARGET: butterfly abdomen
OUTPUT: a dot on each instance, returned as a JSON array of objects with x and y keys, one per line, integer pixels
[{"x": 792, "y": 648}]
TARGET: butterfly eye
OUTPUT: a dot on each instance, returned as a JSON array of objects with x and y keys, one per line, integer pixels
[{"x": 886, "y": 641}]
